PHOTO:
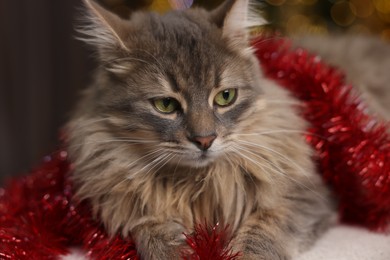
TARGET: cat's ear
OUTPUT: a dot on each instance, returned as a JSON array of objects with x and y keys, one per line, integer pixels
[
  {"x": 235, "y": 18},
  {"x": 103, "y": 29}
]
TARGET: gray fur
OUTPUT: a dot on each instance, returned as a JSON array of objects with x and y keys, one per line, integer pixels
[{"x": 140, "y": 168}]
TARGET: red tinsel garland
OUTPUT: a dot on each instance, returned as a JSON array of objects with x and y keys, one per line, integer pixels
[
  {"x": 353, "y": 147},
  {"x": 39, "y": 219}
]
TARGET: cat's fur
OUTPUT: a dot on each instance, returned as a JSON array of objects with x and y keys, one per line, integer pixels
[{"x": 147, "y": 174}]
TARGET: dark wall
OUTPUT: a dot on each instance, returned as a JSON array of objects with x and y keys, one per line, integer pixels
[{"x": 42, "y": 70}]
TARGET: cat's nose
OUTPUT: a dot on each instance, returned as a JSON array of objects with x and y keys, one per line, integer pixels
[{"x": 203, "y": 142}]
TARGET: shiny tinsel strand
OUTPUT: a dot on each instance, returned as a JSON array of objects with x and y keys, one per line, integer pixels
[{"x": 210, "y": 242}]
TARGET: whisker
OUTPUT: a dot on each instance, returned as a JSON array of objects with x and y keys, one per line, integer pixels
[
  {"x": 256, "y": 155},
  {"x": 148, "y": 165},
  {"x": 157, "y": 162},
  {"x": 124, "y": 140},
  {"x": 144, "y": 157},
  {"x": 284, "y": 174},
  {"x": 281, "y": 156},
  {"x": 265, "y": 40},
  {"x": 132, "y": 175},
  {"x": 167, "y": 160},
  {"x": 237, "y": 149},
  {"x": 177, "y": 166},
  {"x": 175, "y": 151},
  {"x": 278, "y": 131}
]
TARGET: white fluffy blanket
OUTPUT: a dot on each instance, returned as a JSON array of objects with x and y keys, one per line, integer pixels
[{"x": 350, "y": 243}]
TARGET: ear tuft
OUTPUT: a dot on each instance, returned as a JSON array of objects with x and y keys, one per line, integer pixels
[
  {"x": 103, "y": 29},
  {"x": 236, "y": 18}
]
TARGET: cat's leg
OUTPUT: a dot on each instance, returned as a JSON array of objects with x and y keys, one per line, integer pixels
[
  {"x": 261, "y": 237},
  {"x": 157, "y": 240},
  {"x": 283, "y": 232}
]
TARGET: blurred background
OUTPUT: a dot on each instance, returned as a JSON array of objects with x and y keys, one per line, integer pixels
[{"x": 43, "y": 68}]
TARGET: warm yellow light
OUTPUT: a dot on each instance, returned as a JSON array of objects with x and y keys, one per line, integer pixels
[
  {"x": 362, "y": 8},
  {"x": 382, "y": 6},
  {"x": 161, "y": 6},
  {"x": 297, "y": 23},
  {"x": 342, "y": 14},
  {"x": 317, "y": 29}
]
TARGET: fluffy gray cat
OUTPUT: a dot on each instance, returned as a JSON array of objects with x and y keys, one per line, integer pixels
[{"x": 180, "y": 126}]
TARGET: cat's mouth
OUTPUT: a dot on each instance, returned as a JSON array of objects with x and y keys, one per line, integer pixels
[
  {"x": 196, "y": 158},
  {"x": 204, "y": 159},
  {"x": 200, "y": 159}
]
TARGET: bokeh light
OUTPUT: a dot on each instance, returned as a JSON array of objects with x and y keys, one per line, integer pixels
[
  {"x": 362, "y": 8},
  {"x": 342, "y": 13},
  {"x": 324, "y": 16},
  {"x": 293, "y": 16}
]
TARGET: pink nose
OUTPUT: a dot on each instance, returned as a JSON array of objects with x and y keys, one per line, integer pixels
[{"x": 203, "y": 142}]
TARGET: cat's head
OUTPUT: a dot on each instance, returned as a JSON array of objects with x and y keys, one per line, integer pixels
[{"x": 178, "y": 85}]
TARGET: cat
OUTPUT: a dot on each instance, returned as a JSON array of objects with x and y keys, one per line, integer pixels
[{"x": 180, "y": 126}]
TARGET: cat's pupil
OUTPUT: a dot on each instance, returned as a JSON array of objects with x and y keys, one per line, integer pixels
[
  {"x": 226, "y": 94},
  {"x": 166, "y": 102}
]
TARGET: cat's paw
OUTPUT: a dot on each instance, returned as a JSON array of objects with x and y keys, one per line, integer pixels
[{"x": 161, "y": 242}]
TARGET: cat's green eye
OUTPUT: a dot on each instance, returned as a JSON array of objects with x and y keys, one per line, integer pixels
[
  {"x": 166, "y": 105},
  {"x": 225, "y": 97}
]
